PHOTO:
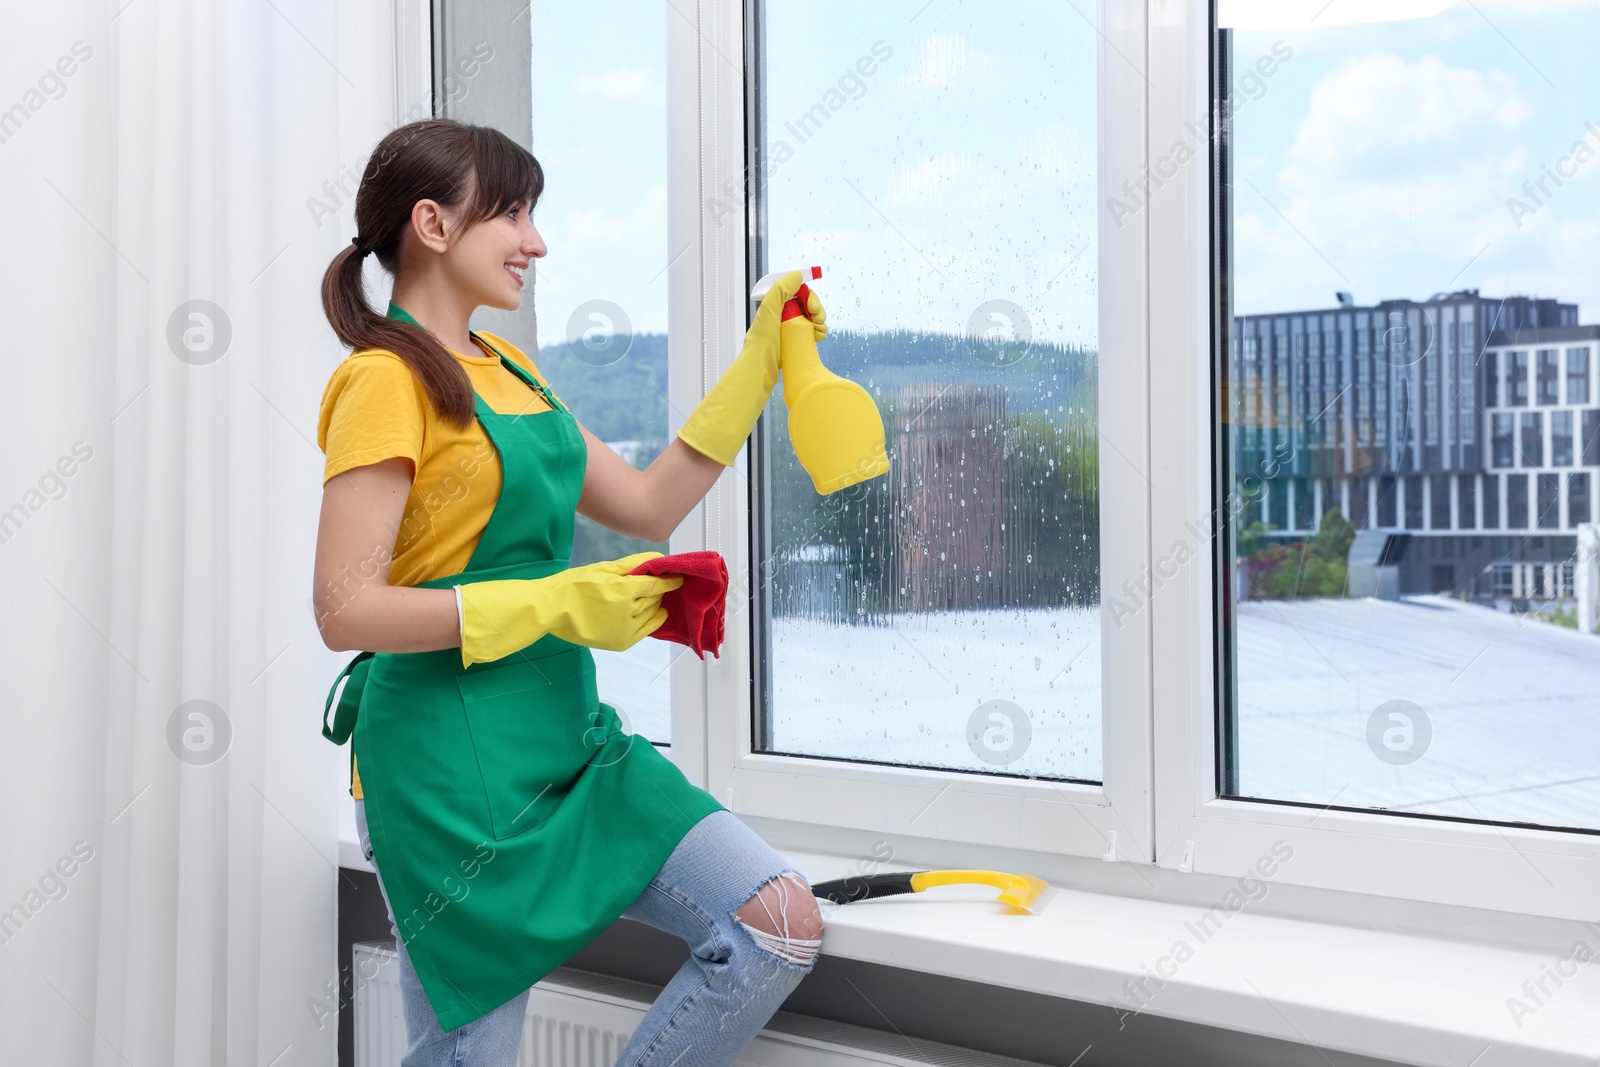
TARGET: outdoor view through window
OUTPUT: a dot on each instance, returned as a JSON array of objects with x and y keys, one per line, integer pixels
[
  {"x": 938, "y": 162},
  {"x": 1409, "y": 422},
  {"x": 600, "y": 130}
]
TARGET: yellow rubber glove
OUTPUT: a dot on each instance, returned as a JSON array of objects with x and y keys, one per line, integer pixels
[
  {"x": 720, "y": 424},
  {"x": 599, "y": 605}
]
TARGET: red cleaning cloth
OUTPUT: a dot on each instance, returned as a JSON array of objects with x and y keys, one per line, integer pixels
[{"x": 697, "y": 608}]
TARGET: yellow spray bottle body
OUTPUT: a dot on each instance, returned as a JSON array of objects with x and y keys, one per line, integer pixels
[{"x": 834, "y": 425}]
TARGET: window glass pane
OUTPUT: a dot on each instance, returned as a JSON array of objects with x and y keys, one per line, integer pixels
[
  {"x": 1549, "y": 501},
  {"x": 1578, "y": 507},
  {"x": 1561, "y": 438},
  {"x": 600, "y": 132},
  {"x": 1549, "y": 376},
  {"x": 1504, "y": 439},
  {"x": 1418, "y": 176},
  {"x": 1466, "y": 503},
  {"x": 1532, "y": 439},
  {"x": 940, "y": 166},
  {"x": 1439, "y": 493},
  {"x": 1577, "y": 375}
]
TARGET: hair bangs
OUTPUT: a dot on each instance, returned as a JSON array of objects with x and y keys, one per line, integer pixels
[{"x": 505, "y": 175}]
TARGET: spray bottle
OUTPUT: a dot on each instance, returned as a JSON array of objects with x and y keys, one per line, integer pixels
[{"x": 833, "y": 423}]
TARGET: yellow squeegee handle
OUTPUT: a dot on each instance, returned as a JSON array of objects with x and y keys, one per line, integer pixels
[{"x": 1018, "y": 890}]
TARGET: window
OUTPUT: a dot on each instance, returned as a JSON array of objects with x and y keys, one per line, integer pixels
[
  {"x": 1504, "y": 439},
  {"x": 1577, "y": 375},
  {"x": 1506, "y": 582},
  {"x": 1388, "y": 504},
  {"x": 1207, "y": 687},
  {"x": 1517, "y": 380},
  {"x": 1466, "y": 394},
  {"x": 1532, "y": 439},
  {"x": 1549, "y": 376},
  {"x": 1579, "y": 510},
  {"x": 1549, "y": 501},
  {"x": 1516, "y": 501},
  {"x": 1439, "y": 502},
  {"x": 1302, "y": 504},
  {"x": 944, "y": 624},
  {"x": 1561, "y": 438},
  {"x": 955, "y": 602},
  {"x": 601, "y": 291},
  {"x": 1314, "y": 711}
]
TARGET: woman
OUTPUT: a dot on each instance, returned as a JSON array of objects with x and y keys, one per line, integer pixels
[{"x": 509, "y": 817}]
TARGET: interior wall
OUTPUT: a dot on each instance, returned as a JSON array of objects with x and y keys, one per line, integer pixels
[{"x": 483, "y": 74}]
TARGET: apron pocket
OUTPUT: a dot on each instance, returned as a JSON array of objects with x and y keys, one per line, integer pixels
[{"x": 533, "y": 725}]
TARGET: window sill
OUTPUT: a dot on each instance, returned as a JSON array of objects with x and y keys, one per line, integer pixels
[
  {"x": 1403, "y": 996},
  {"x": 1418, "y": 998}
]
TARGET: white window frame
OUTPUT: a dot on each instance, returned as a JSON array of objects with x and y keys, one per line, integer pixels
[
  {"x": 1502, "y": 868},
  {"x": 712, "y": 701},
  {"x": 1159, "y": 712}
]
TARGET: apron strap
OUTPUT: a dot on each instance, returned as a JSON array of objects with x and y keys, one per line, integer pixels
[
  {"x": 533, "y": 383},
  {"x": 344, "y": 719}
]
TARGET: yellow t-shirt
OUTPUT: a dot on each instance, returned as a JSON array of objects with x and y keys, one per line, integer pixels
[{"x": 375, "y": 408}]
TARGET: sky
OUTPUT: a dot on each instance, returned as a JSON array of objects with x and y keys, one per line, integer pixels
[
  {"x": 958, "y": 173},
  {"x": 1377, "y": 159},
  {"x": 599, "y": 132}
]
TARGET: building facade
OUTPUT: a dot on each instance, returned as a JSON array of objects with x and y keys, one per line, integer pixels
[{"x": 1471, "y": 423}]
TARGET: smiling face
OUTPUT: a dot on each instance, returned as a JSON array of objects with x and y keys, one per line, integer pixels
[{"x": 487, "y": 261}]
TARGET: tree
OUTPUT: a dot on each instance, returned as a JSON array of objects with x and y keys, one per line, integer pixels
[{"x": 1319, "y": 567}]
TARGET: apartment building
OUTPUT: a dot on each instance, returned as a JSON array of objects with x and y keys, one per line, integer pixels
[{"x": 1470, "y": 422}]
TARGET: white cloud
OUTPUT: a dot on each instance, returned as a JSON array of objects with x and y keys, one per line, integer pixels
[
  {"x": 1055, "y": 148},
  {"x": 1050, "y": 155},
  {"x": 952, "y": 180},
  {"x": 1379, "y": 112},
  {"x": 1321, "y": 14},
  {"x": 944, "y": 60},
  {"x": 880, "y": 280},
  {"x": 553, "y": 158},
  {"x": 632, "y": 84},
  {"x": 616, "y": 255},
  {"x": 1298, "y": 14},
  {"x": 1514, "y": 9},
  {"x": 1394, "y": 182}
]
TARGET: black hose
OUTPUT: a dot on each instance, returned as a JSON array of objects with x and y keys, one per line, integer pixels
[{"x": 864, "y": 887}]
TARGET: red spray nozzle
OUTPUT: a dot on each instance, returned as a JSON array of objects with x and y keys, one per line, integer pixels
[
  {"x": 767, "y": 281},
  {"x": 796, "y": 305}
]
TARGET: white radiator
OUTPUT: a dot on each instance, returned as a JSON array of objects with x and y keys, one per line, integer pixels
[{"x": 579, "y": 1019}]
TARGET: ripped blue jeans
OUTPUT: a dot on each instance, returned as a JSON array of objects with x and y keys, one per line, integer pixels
[{"x": 736, "y": 976}]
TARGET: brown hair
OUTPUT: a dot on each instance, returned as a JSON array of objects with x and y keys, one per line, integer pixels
[{"x": 436, "y": 159}]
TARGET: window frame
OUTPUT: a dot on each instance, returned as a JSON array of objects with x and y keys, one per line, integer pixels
[
  {"x": 952, "y": 811},
  {"x": 1164, "y": 725},
  {"x": 1423, "y": 858}
]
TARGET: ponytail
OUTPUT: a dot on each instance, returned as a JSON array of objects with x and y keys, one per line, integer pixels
[
  {"x": 344, "y": 301},
  {"x": 440, "y": 160}
]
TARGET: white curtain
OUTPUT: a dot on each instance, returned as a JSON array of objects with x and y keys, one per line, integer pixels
[{"x": 168, "y": 807}]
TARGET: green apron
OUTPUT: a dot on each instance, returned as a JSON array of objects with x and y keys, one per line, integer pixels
[{"x": 511, "y": 817}]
